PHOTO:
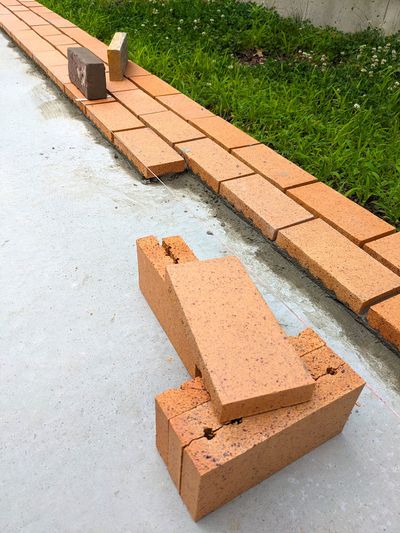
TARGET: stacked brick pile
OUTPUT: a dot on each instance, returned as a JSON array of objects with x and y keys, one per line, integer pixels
[
  {"x": 355, "y": 254},
  {"x": 257, "y": 401}
]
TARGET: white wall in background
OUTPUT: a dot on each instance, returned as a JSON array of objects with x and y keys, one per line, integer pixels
[{"x": 346, "y": 15}]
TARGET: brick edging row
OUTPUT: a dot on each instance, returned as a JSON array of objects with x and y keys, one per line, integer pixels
[{"x": 351, "y": 251}]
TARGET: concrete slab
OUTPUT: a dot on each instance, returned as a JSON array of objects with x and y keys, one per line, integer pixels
[{"x": 82, "y": 355}]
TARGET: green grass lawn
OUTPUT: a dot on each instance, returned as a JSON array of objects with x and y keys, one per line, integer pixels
[{"x": 328, "y": 101}]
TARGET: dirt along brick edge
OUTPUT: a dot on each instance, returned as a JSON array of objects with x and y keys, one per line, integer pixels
[{"x": 244, "y": 178}]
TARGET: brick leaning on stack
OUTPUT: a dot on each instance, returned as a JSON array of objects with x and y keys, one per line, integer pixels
[{"x": 258, "y": 400}]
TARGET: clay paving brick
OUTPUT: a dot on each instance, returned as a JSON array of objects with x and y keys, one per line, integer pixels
[
  {"x": 50, "y": 59},
  {"x": 274, "y": 167},
  {"x": 139, "y": 102},
  {"x": 211, "y": 162},
  {"x": 60, "y": 39},
  {"x": 63, "y": 48},
  {"x": 213, "y": 463},
  {"x": 59, "y": 74},
  {"x": 56, "y": 20},
  {"x": 31, "y": 42},
  {"x": 12, "y": 24},
  {"x": 240, "y": 349},
  {"x": 175, "y": 402},
  {"x": 152, "y": 261},
  {"x": 123, "y": 85},
  {"x": 358, "y": 224},
  {"x": 148, "y": 152},
  {"x": 385, "y": 318},
  {"x": 84, "y": 39},
  {"x": 306, "y": 341},
  {"x": 10, "y": 3},
  {"x": 15, "y": 9},
  {"x": 264, "y": 204},
  {"x": 172, "y": 128},
  {"x": 352, "y": 274},
  {"x": 79, "y": 99},
  {"x": 223, "y": 133},
  {"x": 153, "y": 85},
  {"x": 47, "y": 29},
  {"x": 185, "y": 107},
  {"x": 112, "y": 116},
  {"x": 386, "y": 251},
  {"x": 31, "y": 18},
  {"x": 132, "y": 70}
]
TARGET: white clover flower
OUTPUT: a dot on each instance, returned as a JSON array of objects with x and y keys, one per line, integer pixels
[
  {"x": 179, "y": 28},
  {"x": 203, "y": 32},
  {"x": 222, "y": 16},
  {"x": 356, "y": 106},
  {"x": 181, "y": 21},
  {"x": 209, "y": 84},
  {"x": 363, "y": 70},
  {"x": 211, "y": 20},
  {"x": 230, "y": 67},
  {"x": 383, "y": 61},
  {"x": 396, "y": 83},
  {"x": 155, "y": 11}
]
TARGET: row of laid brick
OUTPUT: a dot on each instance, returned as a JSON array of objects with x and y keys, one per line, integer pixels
[
  {"x": 211, "y": 463},
  {"x": 281, "y": 195}
]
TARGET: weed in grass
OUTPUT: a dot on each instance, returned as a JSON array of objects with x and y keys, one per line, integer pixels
[{"x": 328, "y": 101}]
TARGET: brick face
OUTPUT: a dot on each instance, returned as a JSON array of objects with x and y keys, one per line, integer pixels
[
  {"x": 355, "y": 222},
  {"x": 264, "y": 204},
  {"x": 351, "y": 273},
  {"x": 272, "y": 166}
]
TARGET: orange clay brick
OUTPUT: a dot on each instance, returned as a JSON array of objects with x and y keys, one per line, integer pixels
[
  {"x": 386, "y": 251},
  {"x": 79, "y": 99},
  {"x": 31, "y": 43},
  {"x": 352, "y": 274},
  {"x": 132, "y": 70},
  {"x": 46, "y": 30},
  {"x": 63, "y": 48},
  {"x": 138, "y": 102},
  {"x": 15, "y": 9},
  {"x": 122, "y": 85},
  {"x": 212, "y": 463},
  {"x": 60, "y": 39},
  {"x": 306, "y": 341},
  {"x": 272, "y": 166},
  {"x": 175, "y": 402},
  {"x": 32, "y": 19},
  {"x": 211, "y": 162},
  {"x": 153, "y": 85},
  {"x": 10, "y": 2},
  {"x": 385, "y": 318},
  {"x": 84, "y": 39},
  {"x": 56, "y": 20},
  {"x": 267, "y": 207},
  {"x": 178, "y": 250},
  {"x": 223, "y": 133},
  {"x": 358, "y": 224},
  {"x": 148, "y": 152},
  {"x": 152, "y": 261},
  {"x": 246, "y": 362},
  {"x": 11, "y": 24},
  {"x": 59, "y": 74},
  {"x": 171, "y": 128},
  {"x": 184, "y": 107},
  {"x": 50, "y": 59},
  {"x": 111, "y": 117}
]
